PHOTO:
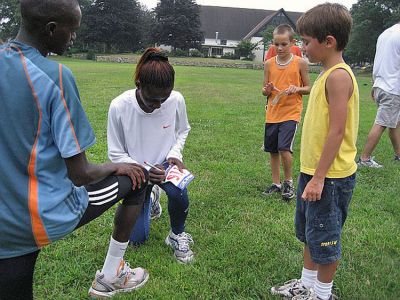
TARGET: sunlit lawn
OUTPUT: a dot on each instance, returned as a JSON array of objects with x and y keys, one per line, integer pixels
[{"x": 244, "y": 242}]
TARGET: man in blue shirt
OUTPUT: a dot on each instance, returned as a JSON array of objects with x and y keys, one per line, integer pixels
[{"x": 48, "y": 188}]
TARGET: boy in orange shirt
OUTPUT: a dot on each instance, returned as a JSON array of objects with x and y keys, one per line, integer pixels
[{"x": 285, "y": 81}]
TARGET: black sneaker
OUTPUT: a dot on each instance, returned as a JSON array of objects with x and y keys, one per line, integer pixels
[
  {"x": 287, "y": 190},
  {"x": 397, "y": 158},
  {"x": 271, "y": 190}
]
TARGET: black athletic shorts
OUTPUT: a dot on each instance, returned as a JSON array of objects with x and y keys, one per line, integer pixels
[{"x": 279, "y": 136}]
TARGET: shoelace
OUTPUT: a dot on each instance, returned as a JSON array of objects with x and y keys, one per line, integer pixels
[{"x": 184, "y": 239}]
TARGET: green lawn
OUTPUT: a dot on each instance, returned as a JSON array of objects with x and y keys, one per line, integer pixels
[{"x": 244, "y": 242}]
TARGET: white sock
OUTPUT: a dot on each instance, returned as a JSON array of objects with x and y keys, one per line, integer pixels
[
  {"x": 308, "y": 277},
  {"x": 278, "y": 185},
  {"x": 116, "y": 251},
  {"x": 323, "y": 290}
]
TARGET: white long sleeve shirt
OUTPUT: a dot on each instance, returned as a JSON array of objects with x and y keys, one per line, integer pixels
[{"x": 135, "y": 136}]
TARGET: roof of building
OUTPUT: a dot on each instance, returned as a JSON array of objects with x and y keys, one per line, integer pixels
[{"x": 233, "y": 23}]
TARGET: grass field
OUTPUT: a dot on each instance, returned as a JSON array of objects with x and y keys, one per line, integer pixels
[{"x": 244, "y": 242}]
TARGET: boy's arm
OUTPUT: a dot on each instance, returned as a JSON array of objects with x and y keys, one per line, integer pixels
[
  {"x": 305, "y": 79},
  {"x": 339, "y": 87},
  {"x": 267, "y": 86}
]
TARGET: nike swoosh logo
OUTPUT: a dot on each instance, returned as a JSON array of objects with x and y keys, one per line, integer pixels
[{"x": 166, "y": 126}]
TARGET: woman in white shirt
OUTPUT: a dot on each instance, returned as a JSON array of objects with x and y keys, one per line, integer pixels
[{"x": 149, "y": 124}]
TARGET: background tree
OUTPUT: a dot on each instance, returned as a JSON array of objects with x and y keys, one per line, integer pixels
[
  {"x": 113, "y": 24},
  {"x": 245, "y": 48},
  {"x": 9, "y": 19},
  {"x": 370, "y": 18},
  {"x": 178, "y": 24}
]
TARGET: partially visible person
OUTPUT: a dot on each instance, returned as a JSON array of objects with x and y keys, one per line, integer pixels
[
  {"x": 48, "y": 188},
  {"x": 386, "y": 93},
  {"x": 327, "y": 154},
  {"x": 286, "y": 79},
  {"x": 148, "y": 125}
]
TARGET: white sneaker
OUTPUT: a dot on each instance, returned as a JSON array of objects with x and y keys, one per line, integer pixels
[
  {"x": 371, "y": 163},
  {"x": 127, "y": 280},
  {"x": 180, "y": 243},
  {"x": 289, "y": 289},
  {"x": 156, "y": 209}
]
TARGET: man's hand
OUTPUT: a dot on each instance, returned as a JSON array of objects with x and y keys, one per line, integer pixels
[
  {"x": 157, "y": 174},
  {"x": 313, "y": 190},
  {"x": 176, "y": 162},
  {"x": 134, "y": 171}
]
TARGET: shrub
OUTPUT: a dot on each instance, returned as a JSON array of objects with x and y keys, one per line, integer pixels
[{"x": 195, "y": 53}]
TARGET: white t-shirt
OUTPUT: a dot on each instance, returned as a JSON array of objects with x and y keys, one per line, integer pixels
[
  {"x": 386, "y": 72},
  {"x": 135, "y": 136}
]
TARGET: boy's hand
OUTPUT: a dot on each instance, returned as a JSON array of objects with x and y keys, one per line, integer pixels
[
  {"x": 268, "y": 88},
  {"x": 292, "y": 89},
  {"x": 313, "y": 190},
  {"x": 134, "y": 171},
  {"x": 176, "y": 162},
  {"x": 157, "y": 175}
]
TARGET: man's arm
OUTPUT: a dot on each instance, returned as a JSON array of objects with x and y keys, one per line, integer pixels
[
  {"x": 81, "y": 172},
  {"x": 339, "y": 87}
]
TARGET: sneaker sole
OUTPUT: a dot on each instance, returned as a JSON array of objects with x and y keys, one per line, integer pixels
[{"x": 104, "y": 295}]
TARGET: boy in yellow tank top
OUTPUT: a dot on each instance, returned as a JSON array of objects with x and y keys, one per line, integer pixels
[
  {"x": 327, "y": 154},
  {"x": 285, "y": 81}
]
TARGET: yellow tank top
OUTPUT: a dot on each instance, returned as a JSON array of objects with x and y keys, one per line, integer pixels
[
  {"x": 316, "y": 126},
  {"x": 289, "y": 107}
]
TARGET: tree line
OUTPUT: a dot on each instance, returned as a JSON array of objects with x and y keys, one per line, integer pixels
[{"x": 127, "y": 26}]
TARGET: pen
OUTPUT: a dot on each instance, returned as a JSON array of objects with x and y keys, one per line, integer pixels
[{"x": 153, "y": 166}]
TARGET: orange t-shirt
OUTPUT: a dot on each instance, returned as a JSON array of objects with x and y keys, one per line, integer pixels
[
  {"x": 272, "y": 52},
  {"x": 289, "y": 107}
]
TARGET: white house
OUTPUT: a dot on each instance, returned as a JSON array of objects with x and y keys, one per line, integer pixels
[{"x": 225, "y": 27}]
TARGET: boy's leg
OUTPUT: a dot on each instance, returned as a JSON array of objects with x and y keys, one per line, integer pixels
[
  {"x": 287, "y": 159},
  {"x": 275, "y": 168},
  {"x": 294, "y": 287},
  {"x": 325, "y": 220},
  {"x": 286, "y": 136},
  {"x": 16, "y": 277},
  {"x": 178, "y": 208},
  {"x": 271, "y": 146}
]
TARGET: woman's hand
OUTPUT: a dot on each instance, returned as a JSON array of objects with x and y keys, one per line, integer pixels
[{"x": 176, "y": 162}]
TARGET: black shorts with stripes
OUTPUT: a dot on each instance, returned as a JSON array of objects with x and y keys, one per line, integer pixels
[{"x": 107, "y": 192}]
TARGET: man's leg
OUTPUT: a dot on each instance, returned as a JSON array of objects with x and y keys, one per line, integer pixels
[
  {"x": 394, "y": 135},
  {"x": 116, "y": 275},
  {"x": 16, "y": 277},
  {"x": 372, "y": 140}
]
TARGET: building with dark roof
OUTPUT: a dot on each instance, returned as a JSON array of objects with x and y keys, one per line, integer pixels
[{"x": 225, "y": 27}]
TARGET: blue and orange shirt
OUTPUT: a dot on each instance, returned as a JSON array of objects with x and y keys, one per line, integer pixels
[{"x": 42, "y": 122}]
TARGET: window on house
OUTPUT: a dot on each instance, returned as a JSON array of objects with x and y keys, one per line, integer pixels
[
  {"x": 216, "y": 51},
  {"x": 223, "y": 42}
]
